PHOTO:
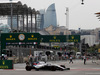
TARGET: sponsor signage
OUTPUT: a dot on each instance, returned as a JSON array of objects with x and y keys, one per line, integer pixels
[
  {"x": 73, "y": 38},
  {"x": 33, "y": 39},
  {"x": 60, "y": 38},
  {"x": 6, "y": 64},
  {"x": 53, "y": 38},
  {"x": 21, "y": 43},
  {"x": 21, "y": 37}
]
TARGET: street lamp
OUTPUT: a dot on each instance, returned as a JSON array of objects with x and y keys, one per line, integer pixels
[{"x": 80, "y": 44}]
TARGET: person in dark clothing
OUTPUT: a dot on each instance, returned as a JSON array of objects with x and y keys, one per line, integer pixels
[
  {"x": 31, "y": 60},
  {"x": 71, "y": 61},
  {"x": 84, "y": 57}
]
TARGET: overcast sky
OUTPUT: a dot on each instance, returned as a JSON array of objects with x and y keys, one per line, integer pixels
[{"x": 80, "y": 16}]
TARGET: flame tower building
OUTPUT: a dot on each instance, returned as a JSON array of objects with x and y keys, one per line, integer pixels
[{"x": 50, "y": 16}]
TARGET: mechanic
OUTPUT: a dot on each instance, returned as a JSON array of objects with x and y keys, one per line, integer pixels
[{"x": 31, "y": 59}]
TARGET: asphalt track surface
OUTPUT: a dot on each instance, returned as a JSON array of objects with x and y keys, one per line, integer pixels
[{"x": 77, "y": 68}]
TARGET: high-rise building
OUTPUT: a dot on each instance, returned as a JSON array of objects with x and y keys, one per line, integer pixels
[
  {"x": 14, "y": 22},
  {"x": 42, "y": 13},
  {"x": 50, "y": 16}
]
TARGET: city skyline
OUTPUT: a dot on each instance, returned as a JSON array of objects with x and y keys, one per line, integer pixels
[{"x": 80, "y": 16}]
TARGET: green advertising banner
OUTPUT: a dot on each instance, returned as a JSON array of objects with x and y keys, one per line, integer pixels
[
  {"x": 73, "y": 38},
  {"x": 19, "y": 39},
  {"x": 60, "y": 38},
  {"x": 33, "y": 39},
  {"x": 6, "y": 64},
  {"x": 53, "y": 38}
]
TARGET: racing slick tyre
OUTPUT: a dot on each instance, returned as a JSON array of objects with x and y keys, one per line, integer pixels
[
  {"x": 37, "y": 69},
  {"x": 61, "y": 70},
  {"x": 28, "y": 68},
  {"x": 53, "y": 68},
  {"x": 68, "y": 68},
  {"x": 63, "y": 66}
]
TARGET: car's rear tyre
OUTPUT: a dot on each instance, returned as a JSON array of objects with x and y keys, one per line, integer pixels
[
  {"x": 53, "y": 68},
  {"x": 61, "y": 70},
  {"x": 28, "y": 68}
]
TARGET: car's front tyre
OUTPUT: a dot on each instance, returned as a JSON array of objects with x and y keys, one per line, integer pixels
[
  {"x": 67, "y": 68},
  {"x": 63, "y": 66},
  {"x": 37, "y": 69},
  {"x": 28, "y": 68}
]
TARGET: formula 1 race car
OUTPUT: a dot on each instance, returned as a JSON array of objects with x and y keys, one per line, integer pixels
[{"x": 45, "y": 66}]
